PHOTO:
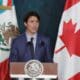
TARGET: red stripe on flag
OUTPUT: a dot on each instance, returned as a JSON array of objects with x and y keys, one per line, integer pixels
[
  {"x": 60, "y": 49},
  {"x": 4, "y": 70},
  {"x": 75, "y": 77},
  {"x": 70, "y": 3},
  {"x": 9, "y": 3}
]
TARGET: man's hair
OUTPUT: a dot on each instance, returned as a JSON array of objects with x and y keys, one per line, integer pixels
[{"x": 31, "y": 13}]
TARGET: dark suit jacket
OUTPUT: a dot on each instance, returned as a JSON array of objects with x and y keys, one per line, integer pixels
[{"x": 21, "y": 53}]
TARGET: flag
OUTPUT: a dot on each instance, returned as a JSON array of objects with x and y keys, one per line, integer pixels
[
  {"x": 8, "y": 30},
  {"x": 67, "y": 49},
  {"x": 6, "y": 2}
]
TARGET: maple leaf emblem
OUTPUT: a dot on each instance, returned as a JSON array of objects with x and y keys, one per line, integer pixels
[{"x": 70, "y": 38}]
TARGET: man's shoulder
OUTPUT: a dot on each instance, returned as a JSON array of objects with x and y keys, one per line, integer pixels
[
  {"x": 44, "y": 40},
  {"x": 19, "y": 38},
  {"x": 43, "y": 37}
]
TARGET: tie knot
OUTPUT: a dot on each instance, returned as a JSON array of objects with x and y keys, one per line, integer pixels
[{"x": 32, "y": 39}]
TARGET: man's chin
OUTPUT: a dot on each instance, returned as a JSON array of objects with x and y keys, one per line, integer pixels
[{"x": 34, "y": 32}]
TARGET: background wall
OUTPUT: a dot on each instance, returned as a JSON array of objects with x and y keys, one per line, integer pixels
[{"x": 50, "y": 12}]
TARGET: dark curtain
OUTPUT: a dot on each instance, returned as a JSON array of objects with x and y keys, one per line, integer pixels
[{"x": 50, "y": 12}]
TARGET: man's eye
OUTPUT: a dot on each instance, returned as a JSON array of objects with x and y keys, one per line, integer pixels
[{"x": 32, "y": 21}]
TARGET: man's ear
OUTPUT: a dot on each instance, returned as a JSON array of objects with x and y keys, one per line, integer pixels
[{"x": 25, "y": 23}]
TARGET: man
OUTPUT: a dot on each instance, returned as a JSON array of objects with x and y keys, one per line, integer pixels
[{"x": 31, "y": 45}]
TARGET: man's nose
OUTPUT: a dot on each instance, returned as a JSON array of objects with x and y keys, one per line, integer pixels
[{"x": 34, "y": 23}]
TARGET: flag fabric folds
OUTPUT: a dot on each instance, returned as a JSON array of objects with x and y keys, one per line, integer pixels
[
  {"x": 6, "y": 2},
  {"x": 8, "y": 30},
  {"x": 67, "y": 49}
]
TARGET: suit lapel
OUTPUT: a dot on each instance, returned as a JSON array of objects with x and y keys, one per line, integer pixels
[
  {"x": 27, "y": 50},
  {"x": 37, "y": 44},
  {"x": 25, "y": 38}
]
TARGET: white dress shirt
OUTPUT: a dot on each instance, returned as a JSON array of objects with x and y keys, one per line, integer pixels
[{"x": 34, "y": 36}]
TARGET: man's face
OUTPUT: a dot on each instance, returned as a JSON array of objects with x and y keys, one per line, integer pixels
[{"x": 32, "y": 24}]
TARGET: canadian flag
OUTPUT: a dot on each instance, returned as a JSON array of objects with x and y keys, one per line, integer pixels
[{"x": 67, "y": 49}]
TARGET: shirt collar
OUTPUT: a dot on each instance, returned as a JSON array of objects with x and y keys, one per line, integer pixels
[{"x": 29, "y": 36}]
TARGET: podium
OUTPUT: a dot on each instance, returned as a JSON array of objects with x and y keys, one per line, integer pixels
[{"x": 17, "y": 70}]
